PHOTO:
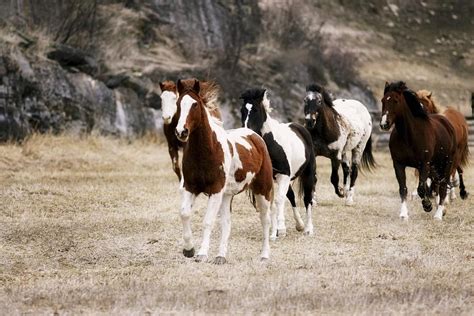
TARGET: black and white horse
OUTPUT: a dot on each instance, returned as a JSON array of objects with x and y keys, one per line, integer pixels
[
  {"x": 338, "y": 128},
  {"x": 291, "y": 151}
]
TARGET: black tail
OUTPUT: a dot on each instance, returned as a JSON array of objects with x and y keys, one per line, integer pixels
[{"x": 368, "y": 161}]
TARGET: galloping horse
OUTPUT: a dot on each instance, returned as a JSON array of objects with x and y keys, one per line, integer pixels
[
  {"x": 219, "y": 164},
  {"x": 421, "y": 141},
  {"x": 337, "y": 128},
  {"x": 169, "y": 96},
  {"x": 291, "y": 151},
  {"x": 461, "y": 129}
]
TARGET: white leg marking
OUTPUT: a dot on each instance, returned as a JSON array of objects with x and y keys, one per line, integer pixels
[
  {"x": 280, "y": 198},
  {"x": 439, "y": 213},
  {"x": 225, "y": 224},
  {"x": 404, "y": 210},
  {"x": 213, "y": 205},
  {"x": 414, "y": 194},
  {"x": 308, "y": 229},
  {"x": 350, "y": 197},
  {"x": 263, "y": 207},
  {"x": 298, "y": 220},
  {"x": 186, "y": 211}
]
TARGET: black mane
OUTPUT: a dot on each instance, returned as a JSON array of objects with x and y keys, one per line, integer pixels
[
  {"x": 410, "y": 98},
  {"x": 321, "y": 90},
  {"x": 253, "y": 94}
]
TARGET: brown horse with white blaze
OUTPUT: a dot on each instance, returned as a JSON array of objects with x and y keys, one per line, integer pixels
[
  {"x": 219, "y": 164},
  {"x": 169, "y": 97},
  {"x": 461, "y": 129},
  {"x": 418, "y": 140}
]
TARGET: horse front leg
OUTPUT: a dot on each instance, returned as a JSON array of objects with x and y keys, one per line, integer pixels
[
  {"x": 402, "y": 185},
  {"x": 423, "y": 189},
  {"x": 263, "y": 206},
  {"x": 213, "y": 206},
  {"x": 186, "y": 211},
  {"x": 174, "y": 155},
  {"x": 442, "y": 192},
  {"x": 283, "y": 182},
  {"x": 335, "y": 163},
  {"x": 296, "y": 214},
  {"x": 464, "y": 194}
]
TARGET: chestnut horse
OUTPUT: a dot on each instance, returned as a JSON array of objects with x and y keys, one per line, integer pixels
[
  {"x": 169, "y": 96},
  {"x": 461, "y": 129},
  {"x": 421, "y": 141},
  {"x": 219, "y": 164}
]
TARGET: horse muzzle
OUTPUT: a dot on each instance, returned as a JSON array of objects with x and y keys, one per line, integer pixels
[
  {"x": 182, "y": 135},
  {"x": 166, "y": 119},
  {"x": 385, "y": 126}
]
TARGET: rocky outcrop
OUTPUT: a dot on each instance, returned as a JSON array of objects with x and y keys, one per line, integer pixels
[{"x": 42, "y": 96}]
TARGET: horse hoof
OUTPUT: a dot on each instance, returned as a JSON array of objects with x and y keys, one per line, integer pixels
[
  {"x": 273, "y": 238},
  {"x": 427, "y": 205},
  {"x": 299, "y": 228},
  {"x": 464, "y": 195},
  {"x": 201, "y": 258},
  {"x": 404, "y": 217},
  {"x": 438, "y": 217},
  {"x": 264, "y": 259},
  {"x": 340, "y": 193},
  {"x": 281, "y": 232},
  {"x": 188, "y": 253},
  {"x": 309, "y": 233},
  {"x": 219, "y": 260},
  {"x": 349, "y": 202}
]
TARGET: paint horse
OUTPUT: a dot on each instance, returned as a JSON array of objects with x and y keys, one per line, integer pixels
[
  {"x": 421, "y": 141},
  {"x": 169, "y": 97},
  {"x": 338, "y": 128},
  {"x": 292, "y": 155},
  {"x": 461, "y": 129},
  {"x": 219, "y": 164}
]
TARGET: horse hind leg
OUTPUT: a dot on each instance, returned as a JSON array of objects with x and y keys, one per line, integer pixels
[
  {"x": 296, "y": 214},
  {"x": 356, "y": 156},
  {"x": 174, "y": 155},
  {"x": 440, "y": 211},
  {"x": 226, "y": 227},
  {"x": 264, "y": 206},
  {"x": 463, "y": 193},
  {"x": 335, "y": 163},
  {"x": 308, "y": 182},
  {"x": 346, "y": 170}
]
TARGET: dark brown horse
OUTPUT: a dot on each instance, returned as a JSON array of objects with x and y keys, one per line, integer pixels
[
  {"x": 169, "y": 96},
  {"x": 461, "y": 129},
  {"x": 419, "y": 140},
  {"x": 219, "y": 164}
]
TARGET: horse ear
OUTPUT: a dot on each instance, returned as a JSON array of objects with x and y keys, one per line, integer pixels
[
  {"x": 386, "y": 84},
  {"x": 197, "y": 86},
  {"x": 180, "y": 86},
  {"x": 430, "y": 94},
  {"x": 162, "y": 86}
]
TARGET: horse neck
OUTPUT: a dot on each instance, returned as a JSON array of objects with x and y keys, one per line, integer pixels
[
  {"x": 201, "y": 139},
  {"x": 327, "y": 126},
  {"x": 408, "y": 126},
  {"x": 269, "y": 124}
]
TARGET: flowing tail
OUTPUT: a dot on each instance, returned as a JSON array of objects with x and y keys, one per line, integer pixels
[{"x": 368, "y": 161}]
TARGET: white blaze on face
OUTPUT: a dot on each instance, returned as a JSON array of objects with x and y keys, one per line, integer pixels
[
  {"x": 186, "y": 103},
  {"x": 168, "y": 105},
  {"x": 248, "y": 106},
  {"x": 307, "y": 116},
  {"x": 310, "y": 96},
  {"x": 383, "y": 121}
]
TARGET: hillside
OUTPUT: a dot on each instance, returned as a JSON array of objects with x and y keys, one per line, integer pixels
[{"x": 123, "y": 48}]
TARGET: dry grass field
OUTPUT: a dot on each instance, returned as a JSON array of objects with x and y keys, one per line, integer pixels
[{"x": 92, "y": 226}]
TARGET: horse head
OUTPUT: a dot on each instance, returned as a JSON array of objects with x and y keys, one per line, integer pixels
[
  {"x": 316, "y": 98},
  {"x": 189, "y": 108},
  {"x": 169, "y": 96},
  {"x": 254, "y": 110},
  {"x": 396, "y": 101},
  {"x": 426, "y": 98}
]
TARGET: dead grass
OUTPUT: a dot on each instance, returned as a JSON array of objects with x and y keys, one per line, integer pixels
[{"x": 91, "y": 226}]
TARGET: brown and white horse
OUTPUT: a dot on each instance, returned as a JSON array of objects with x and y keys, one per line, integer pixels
[
  {"x": 169, "y": 96},
  {"x": 419, "y": 140},
  {"x": 219, "y": 164},
  {"x": 461, "y": 129}
]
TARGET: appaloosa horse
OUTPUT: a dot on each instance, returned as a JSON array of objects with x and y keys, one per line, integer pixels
[
  {"x": 169, "y": 96},
  {"x": 461, "y": 129},
  {"x": 421, "y": 141},
  {"x": 291, "y": 151},
  {"x": 219, "y": 164},
  {"x": 338, "y": 128}
]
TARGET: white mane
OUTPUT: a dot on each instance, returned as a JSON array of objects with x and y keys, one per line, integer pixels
[{"x": 266, "y": 103}]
